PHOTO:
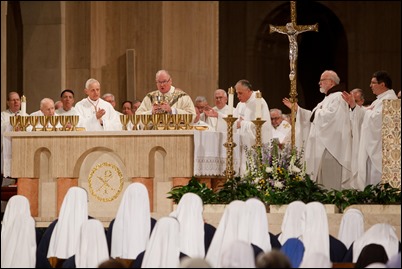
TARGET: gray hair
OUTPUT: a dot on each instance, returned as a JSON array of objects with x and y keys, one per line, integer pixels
[
  {"x": 161, "y": 72},
  {"x": 108, "y": 95},
  {"x": 200, "y": 99},
  {"x": 222, "y": 91},
  {"x": 334, "y": 76},
  {"x": 276, "y": 110},
  {"x": 90, "y": 81}
]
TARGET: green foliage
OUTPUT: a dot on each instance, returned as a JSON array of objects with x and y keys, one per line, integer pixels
[
  {"x": 235, "y": 189},
  {"x": 277, "y": 176},
  {"x": 206, "y": 194},
  {"x": 301, "y": 190}
]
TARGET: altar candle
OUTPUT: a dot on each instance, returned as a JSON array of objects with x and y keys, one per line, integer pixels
[
  {"x": 230, "y": 104},
  {"x": 23, "y": 106},
  {"x": 258, "y": 105}
]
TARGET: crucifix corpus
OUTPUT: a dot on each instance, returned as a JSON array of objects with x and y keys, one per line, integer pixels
[{"x": 292, "y": 30}]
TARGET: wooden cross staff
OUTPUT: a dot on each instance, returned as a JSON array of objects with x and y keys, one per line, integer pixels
[{"x": 291, "y": 29}]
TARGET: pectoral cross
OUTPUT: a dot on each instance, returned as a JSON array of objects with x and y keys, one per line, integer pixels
[{"x": 292, "y": 30}]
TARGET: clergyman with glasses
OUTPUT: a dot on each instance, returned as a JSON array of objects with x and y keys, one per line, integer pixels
[
  {"x": 167, "y": 98},
  {"x": 326, "y": 136}
]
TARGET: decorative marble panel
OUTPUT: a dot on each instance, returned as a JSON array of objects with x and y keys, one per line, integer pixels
[{"x": 391, "y": 145}]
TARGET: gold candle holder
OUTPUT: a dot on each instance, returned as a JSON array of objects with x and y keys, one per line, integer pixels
[
  {"x": 258, "y": 124},
  {"x": 229, "y": 145}
]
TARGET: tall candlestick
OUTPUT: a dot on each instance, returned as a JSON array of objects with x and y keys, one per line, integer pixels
[
  {"x": 258, "y": 105},
  {"x": 230, "y": 104},
  {"x": 23, "y": 106}
]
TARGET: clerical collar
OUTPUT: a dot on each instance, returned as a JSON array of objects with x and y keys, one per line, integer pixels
[
  {"x": 14, "y": 113},
  {"x": 336, "y": 88},
  {"x": 94, "y": 103}
]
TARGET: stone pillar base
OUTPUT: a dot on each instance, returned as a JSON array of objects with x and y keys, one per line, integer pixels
[
  {"x": 29, "y": 187},
  {"x": 63, "y": 184},
  {"x": 149, "y": 184}
]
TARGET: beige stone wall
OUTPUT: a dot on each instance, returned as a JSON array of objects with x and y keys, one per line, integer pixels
[{"x": 65, "y": 43}]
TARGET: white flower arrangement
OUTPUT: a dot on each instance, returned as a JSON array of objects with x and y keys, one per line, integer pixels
[{"x": 271, "y": 166}]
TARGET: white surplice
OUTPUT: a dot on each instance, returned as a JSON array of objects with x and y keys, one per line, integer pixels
[
  {"x": 327, "y": 139},
  {"x": 87, "y": 112},
  {"x": 367, "y": 147}
]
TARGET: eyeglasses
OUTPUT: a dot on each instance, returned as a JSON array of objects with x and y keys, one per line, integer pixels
[
  {"x": 219, "y": 97},
  {"x": 321, "y": 80},
  {"x": 163, "y": 82}
]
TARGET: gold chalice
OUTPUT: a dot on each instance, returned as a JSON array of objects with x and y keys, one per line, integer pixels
[
  {"x": 74, "y": 121},
  {"x": 24, "y": 122},
  {"x": 166, "y": 121},
  {"x": 134, "y": 119},
  {"x": 44, "y": 120},
  {"x": 124, "y": 121},
  {"x": 176, "y": 120},
  {"x": 14, "y": 121},
  {"x": 63, "y": 121},
  {"x": 34, "y": 121},
  {"x": 53, "y": 121},
  {"x": 155, "y": 121},
  {"x": 145, "y": 120},
  {"x": 188, "y": 118}
]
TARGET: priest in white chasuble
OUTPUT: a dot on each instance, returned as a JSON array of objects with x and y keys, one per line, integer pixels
[
  {"x": 326, "y": 136},
  {"x": 366, "y": 130},
  {"x": 166, "y": 99},
  {"x": 95, "y": 113},
  {"x": 248, "y": 109}
]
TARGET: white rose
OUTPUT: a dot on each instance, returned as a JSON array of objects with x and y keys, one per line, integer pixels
[
  {"x": 278, "y": 184},
  {"x": 295, "y": 169},
  {"x": 268, "y": 170}
]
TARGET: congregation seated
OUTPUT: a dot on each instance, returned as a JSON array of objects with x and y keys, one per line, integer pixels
[
  {"x": 92, "y": 247},
  {"x": 352, "y": 226},
  {"x": 239, "y": 254},
  {"x": 371, "y": 253},
  {"x": 18, "y": 238},
  {"x": 128, "y": 234},
  {"x": 59, "y": 242},
  {"x": 233, "y": 225},
  {"x": 163, "y": 249},
  {"x": 381, "y": 233},
  {"x": 273, "y": 259},
  {"x": 195, "y": 234},
  {"x": 294, "y": 250}
]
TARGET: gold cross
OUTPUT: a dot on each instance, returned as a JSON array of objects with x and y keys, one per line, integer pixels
[{"x": 291, "y": 29}]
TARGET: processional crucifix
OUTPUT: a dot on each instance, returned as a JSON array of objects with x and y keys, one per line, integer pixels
[{"x": 291, "y": 29}]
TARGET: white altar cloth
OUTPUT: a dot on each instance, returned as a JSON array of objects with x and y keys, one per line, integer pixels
[{"x": 210, "y": 153}]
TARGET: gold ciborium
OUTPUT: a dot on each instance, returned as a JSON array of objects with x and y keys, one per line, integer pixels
[
  {"x": 188, "y": 118},
  {"x": 34, "y": 121},
  {"x": 53, "y": 121},
  {"x": 74, "y": 121},
  {"x": 124, "y": 121},
  {"x": 44, "y": 120},
  {"x": 176, "y": 118},
  {"x": 24, "y": 122},
  {"x": 63, "y": 121},
  {"x": 145, "y": 120},
  {"x": 15, "y": 121}
]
